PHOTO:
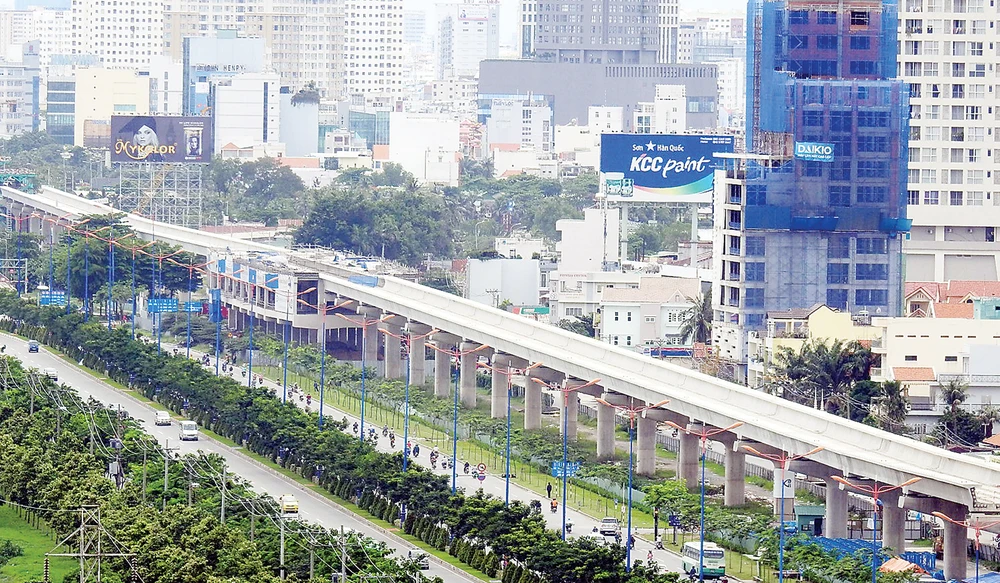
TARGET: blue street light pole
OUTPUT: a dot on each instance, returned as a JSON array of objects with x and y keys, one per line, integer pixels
[
  {"x": 250, "y": 357},
  {"x": 284, "y": 363},
  {"x": 218, "y": 341},
  {"x": 454, "y": 434},
  {"x": 322, "y": 370},
  {"x": 364, "y": 375},
  {"x": 51, "y": 243},
  {"x": 69, "y": 294},
  {"x": 506, "y": 499},
  {"x": 406, "y": 410},
  {"x": 187, "y": 308},
  {"x": 701, "y": 525},
  {"x": 158, "y": 314},
  {"x": 133, "y": 294},
  {"x": 86, "y": 279},
  {"x": 628, "y": 531}
]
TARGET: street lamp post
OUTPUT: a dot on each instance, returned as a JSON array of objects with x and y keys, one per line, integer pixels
[
  {"x": 703, "y": 435},
  {"x": 873, "y": 491},
  {"x": 363, "y": 323},
  {"x": 783, "y": 459},
  {"x": 509, "y": 372},
  {"x": 407, "y": 342},
  {"x": 565, "y": 435},
  {"x": 457, "y": 354},
  {"x": 632, "y": 412},
  {"x": 976, "y": 524}
]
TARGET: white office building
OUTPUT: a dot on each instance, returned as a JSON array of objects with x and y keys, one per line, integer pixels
[
  {"x": 52, "y": 28},
  {"x": 124, "y": 34},
  {"x": 649, "y": 315},
  {"x": 247, "y": 110},
  {"x": 469, "y": 34},
  {"x": 666, "y": 114},
  {"x": 948, "y": 57},
  {"x": 373, "y": 43},
  {"x": 304, "y": 38}
]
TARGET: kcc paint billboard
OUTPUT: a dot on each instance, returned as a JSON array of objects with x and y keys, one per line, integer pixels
[
  {"x": 661, "y": 167},
  {"x": 161, "y": 139}
]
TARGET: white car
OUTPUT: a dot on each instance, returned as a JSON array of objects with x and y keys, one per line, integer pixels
[
  {"x": 610, "y": 526},
  {"x": 162, "y": 418},
  {"x": 51, "y": 373},
  {"x": 189, "y": 431}
]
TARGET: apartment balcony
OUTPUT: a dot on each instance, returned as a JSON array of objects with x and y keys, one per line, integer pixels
[
  {"x": 969, "y": 379},
  {"x": 734, "y": 251}
]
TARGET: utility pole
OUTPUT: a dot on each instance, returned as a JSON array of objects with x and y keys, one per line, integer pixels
[
  {"x": 166, "y": 475},
  {"x": 222, "y": 513},
  {"x": 144, "y": 476},
  {"x": 343, "y": 552},
  {"x": 281, "y": 551},
  {"x": 90, "y": 537}
]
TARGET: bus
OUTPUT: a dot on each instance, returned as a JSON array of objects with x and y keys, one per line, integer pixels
[{"x": 715, "y": 558}]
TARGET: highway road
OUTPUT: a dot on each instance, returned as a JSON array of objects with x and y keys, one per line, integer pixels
[{"x": 313, "y": 507}]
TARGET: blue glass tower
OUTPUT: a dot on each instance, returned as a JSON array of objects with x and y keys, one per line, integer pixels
[{"x": 813, "y": 212}]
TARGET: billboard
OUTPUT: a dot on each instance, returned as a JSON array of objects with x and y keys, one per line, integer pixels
[
  {"x": 473, "y": 12},
  {"x": 161, "y": 139},
  {"x": 661, "y": 167},
  {"x": 814, "y": 151}
]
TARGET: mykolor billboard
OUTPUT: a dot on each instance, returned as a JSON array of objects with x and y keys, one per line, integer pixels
[
  {"x": 146, "y": 138},
  {"x": 661, "y": 167}
]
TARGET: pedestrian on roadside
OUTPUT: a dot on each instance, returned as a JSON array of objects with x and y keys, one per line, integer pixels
[{"x": 548, "y": 490}]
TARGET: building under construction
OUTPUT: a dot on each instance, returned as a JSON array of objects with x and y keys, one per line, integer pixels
[{"x": 812, "y": 212}]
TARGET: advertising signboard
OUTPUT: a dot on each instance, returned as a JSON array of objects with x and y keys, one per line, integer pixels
[
  {"x": 661, "y": 167},
  {"x": 161, "y": 139},
  {"x": 814, "y": 151},
  {"x": 473, "y": 12}
]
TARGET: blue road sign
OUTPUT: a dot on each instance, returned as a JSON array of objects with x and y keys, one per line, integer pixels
[
  {"x": 52, "y": 298},
  {"x": 674, "y": 520},
  {"x": 365, "y": 280},
  {"x": 571, "y": 469},
  {"x": 161, "y": 305},
  {"x": 193, "y": 307}
]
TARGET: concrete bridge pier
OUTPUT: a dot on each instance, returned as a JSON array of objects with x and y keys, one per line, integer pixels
[
  {"x": 835, "y": 519},
  {"x": 956, "y": 540},
  {"x": 736, "y": 464},
  {"x": 417, "y": 356},
  {"x": 645, "y": 442},
  {"x": 445, "y": 344},
  {"x": 502, "y": 364},
  {"x": 533, "y": 394},
  {"x": 369, "y": 334},
  {"x": 468, "y": 371},
  {"x": 606, "y": 425},
  {"x": 393, "y": 357},
  {"x": 893, "y": 521},
  {"x": 688, "y": 457}
]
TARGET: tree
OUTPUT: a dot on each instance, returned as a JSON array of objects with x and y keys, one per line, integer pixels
[
  {"x": 697, "y": 324},
  {"x": 954, "y": 394},
  {"x": 819, "y": 370},
  {"x": 583, "y": 325},
  {"x": 892, "y": 406},
  {"x": 260, "y": 190}
]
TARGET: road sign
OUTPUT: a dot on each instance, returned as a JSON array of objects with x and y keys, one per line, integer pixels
[
  {"x": 482, "y": 477},
  {"x": 161, "y": 305},
  {"x": 481, "y": 468},
  {"x": 674, "y": 520},
  {"x": 193, "y": 307},
  {"x": 571, "y": 469},
  {"x": 52, "y": 298}
]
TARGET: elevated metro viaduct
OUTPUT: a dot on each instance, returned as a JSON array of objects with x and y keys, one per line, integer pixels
[{"x": 950, "y": 483}]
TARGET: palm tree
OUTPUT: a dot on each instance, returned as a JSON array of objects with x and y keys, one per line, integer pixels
[
  {"x": 698, "y": 319},
  {"x": 989, "y": 416},
  {"x": 893, "y": 405},
  {"x": 954, "y": 394},
  {"x": 820, "y": 370}
]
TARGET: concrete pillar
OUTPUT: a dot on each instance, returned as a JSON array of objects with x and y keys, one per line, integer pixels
[
  {"x": 532, "y": 400},
  {"x": 442, "y": 369},
  {"x": 605, "y": 432},
  {"x": 835, "y": 521},
  {"x": 498, "y": 388},
  {"x": 645, "y": 446},
  {"x": 468, "y": 373},
  {"x": 688, "y": 458},
  {"x": 893, "y": 523},
  {"x": 370, "y": 335},
  {"x": 736, "y": 472},
  {"x": 955, "y": 543},
  {"x": 393, "y": 357},
  {"x": 572, "y": 409},
  {"x": 786, "y": 494},
  {"x": 417, "y": 357}
]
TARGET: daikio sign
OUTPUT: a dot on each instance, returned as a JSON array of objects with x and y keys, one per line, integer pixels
[{"x": 814, "y": 151}]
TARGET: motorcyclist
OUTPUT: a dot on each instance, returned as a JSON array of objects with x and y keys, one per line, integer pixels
[
  {"x": 554, "y": 505},
  {"x": 385, "y": 431},
  {"x": 355, "y": 428},
  {"x": 466, "y": 467}
]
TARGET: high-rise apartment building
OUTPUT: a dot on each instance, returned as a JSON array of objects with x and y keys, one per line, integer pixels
[
  {"x": 123, "y": 34},
  {"x": 815, "y": 212},
  {"x": 304, "y": 38},
  {"x": 469, "y": 34},
  {"x": 373, "y": 47},
  {"x": 600, "y": 31},
  {"x": 52, "y": 28},
  {"x": 947, "y": 55}
]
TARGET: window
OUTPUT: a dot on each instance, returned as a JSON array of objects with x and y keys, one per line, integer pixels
[
  {"x": 754, "y": 272},
  {"x": 810, "y": 168},
  {"x": 913, "y": 197},
  {"x": 928, "y": 176},
  {"x": 872, "y": 246},
  {"x": 840, "y": 196},
  {"x": 958, "y": 69},
  {"x": 840, "y": 121},
  {"x": 798, "y": 17},
  {"x": 826, "y": 17},
  {"x": 841, "y": 170},
  {"x": 616, "y": 316},
  {"x": 859, "y": 18},
  {"x": 871, "y": 297},
  {"x": 839, "y": 247},
  {"x": 826, "y": 42},
  {"x": 974, "y": 177},
  {"x": 976, "y": 49},
  {"x": 812, "y": 118},
  {"x": 958, "y": 134},
  {"x": 872, "y": 169},
  {"x": 957, "y": 91},
  {"x": 910, "y": 358},
  {"x": 873, "y": 119},
  {"x": 755, "y": 320},
  {"x": 628, "y": 316},
  {"x": 862, "y": 67},
  {"x": 837, "y": 272},
  {"x": 954, "y": 176},
  {"x": 755, "y": 246},
  {"x": 871, "y": 272},
  {"x": 574, "y": 311},
  {"x": 930, "y": 69},
  {"x": 754, "y": 297},
  {"x": 650, "y": 319},
  {"x": 974, "y": 198},
  {"x": 863, "y": 43},
  {"x": 978, "y": 70},
  {"x": 756, "y": 194},
  {"x": 836, "y": 298},
  {"x": 873, "y": 144},
  {"x": 956, "y": 198},
  {"x": 951, "y": 359},
  {"x": 931, "y": 197}
]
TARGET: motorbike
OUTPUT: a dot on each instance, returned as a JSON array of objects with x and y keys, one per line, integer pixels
[
  {"x": 385, "y": 431},
  {"x": 392, "y": 442},
  {"x": 466, "y": 467},
  {"x": 554, "y": 508},
  {"x": 569, "y": 525}
]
